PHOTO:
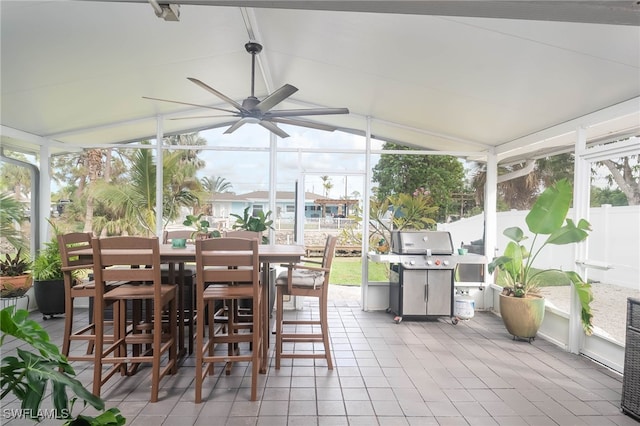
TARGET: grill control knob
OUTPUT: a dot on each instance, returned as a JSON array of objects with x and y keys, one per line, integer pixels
[
  {"x": 412, "y": 262},
  {"x": 445, "y": 262},
  {"x": 429, "y": 262},
  {"x": 438, "y": 262}
]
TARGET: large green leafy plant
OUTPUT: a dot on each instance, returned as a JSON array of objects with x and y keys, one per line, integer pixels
[
  {"x": 401, "y": 212},
  {"x": 14, "y": 266},
  {"x": 28, "y": 373},
  {"x": 548, "y": 223},
  {"x": 48, "y": 263},
  {"x": 258, "y": 223}
]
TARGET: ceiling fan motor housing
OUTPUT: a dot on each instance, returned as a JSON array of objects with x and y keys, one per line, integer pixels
[{"x": 253, "y": 47}]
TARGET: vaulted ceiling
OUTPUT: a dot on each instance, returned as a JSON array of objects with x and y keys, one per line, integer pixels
[{"x": 517, "y": 77}]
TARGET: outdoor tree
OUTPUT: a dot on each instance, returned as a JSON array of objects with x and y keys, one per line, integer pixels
[
  {"x": 11, "y": 216},
  {"x": 15, "y": 179},
  {"x": 625, "y": 172},
  {"x": 131, "y": 203},
  {"x": 212, "y": 185},
  {"x": 326, "y": 184},
  {"x": 440, "y": 175},
  {"x": 519, "y": 193}
]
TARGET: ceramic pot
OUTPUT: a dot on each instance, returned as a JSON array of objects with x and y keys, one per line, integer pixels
[{"x": 522, "y": 316}]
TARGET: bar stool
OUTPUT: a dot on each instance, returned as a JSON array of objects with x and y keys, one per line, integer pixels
[
  {"x": 308, "y": 281},
  {"x": 185, "y": 276},
  {"x": 227, "y": 269},
  {"x": 149, "y": 338},
  {"x": 72, "y": 266}
]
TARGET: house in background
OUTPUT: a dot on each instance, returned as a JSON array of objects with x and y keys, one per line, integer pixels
[{"x": 225, "y": 203}]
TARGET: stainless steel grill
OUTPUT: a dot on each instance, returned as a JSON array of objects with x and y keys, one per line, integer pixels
[{"x": 421, "y": 279}]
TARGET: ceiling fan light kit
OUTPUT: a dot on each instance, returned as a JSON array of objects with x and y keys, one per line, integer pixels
[{"x": 255, "y": 111}]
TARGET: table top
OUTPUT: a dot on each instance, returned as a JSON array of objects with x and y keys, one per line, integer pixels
[{"x": 268, "y": 253}]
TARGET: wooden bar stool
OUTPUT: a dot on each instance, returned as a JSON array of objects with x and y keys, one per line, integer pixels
[
  {"x": 227, "y": 269},
  {"x": 185, "y": 278},
  {"x": 72, "y": 267},
  {"x": 308, "y": 281},
  {"x": 149, "y": 338}
]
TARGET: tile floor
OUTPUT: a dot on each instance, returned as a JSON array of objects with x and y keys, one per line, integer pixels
[{"x": 412, "y": 373}]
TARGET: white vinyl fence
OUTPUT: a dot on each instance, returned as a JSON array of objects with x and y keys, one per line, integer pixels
[{"x": 613, "y": 244}]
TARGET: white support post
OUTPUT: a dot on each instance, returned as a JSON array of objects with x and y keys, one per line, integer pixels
[
  {"x": 364, "y": 287},
  {"x": 159, "y": 176},
  {"x": 273, "y": 178},
  {"x": 45, "y": 194},
  {"x": 490, "y": 207},
  {"x": 581, "y": 188}
]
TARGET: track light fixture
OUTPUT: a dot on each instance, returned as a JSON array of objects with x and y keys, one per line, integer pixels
[{"x": 166, "y": 11}]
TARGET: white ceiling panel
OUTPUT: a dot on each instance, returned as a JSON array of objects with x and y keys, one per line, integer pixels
[{"x": 74, "y": 73}]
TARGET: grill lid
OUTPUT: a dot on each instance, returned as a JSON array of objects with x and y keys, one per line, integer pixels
[{"x": 421, "y": 242}]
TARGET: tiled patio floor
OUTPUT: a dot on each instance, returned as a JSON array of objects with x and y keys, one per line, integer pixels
[{"x": 412, "y": 373}]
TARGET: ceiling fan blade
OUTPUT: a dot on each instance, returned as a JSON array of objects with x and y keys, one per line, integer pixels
[
  {"x": 302, "y": 112},
  {"x": 238, "y": 124},
  {"x": 304, "y": 123},
  {"x": 276, "y": 97},
  {"x": 187, "y": 103},
  {"x": 215, "y": 92},
  {"x": 202, "y": 116},
  {"x": 274, "y": 129}
]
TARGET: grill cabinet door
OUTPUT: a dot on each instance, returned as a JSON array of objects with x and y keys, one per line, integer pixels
[
  {"x": 439, "y": 292},
  {"x": 414, "y": 292}
]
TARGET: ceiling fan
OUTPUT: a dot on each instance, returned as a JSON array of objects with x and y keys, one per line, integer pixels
[{"x": 254, "y": 110}]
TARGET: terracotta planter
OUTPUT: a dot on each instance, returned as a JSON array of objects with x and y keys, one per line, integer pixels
[
  {"x": 14, "y": 283},
  {"x": 522, "y": 316}
]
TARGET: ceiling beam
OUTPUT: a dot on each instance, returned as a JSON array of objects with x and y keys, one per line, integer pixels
[{"x": 613, "y": 12}]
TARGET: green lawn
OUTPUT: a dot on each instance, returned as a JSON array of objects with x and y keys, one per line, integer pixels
[{"x": 348, "y": 271}]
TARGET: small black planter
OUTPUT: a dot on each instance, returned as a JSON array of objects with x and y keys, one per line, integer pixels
[{"x": 49, "y": 297}]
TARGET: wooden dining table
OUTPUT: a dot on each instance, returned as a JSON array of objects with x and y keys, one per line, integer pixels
[{"x": 268, "y": 254}]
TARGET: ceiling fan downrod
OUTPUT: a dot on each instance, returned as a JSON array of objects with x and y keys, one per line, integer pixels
[{"x": 253, "y": 48}]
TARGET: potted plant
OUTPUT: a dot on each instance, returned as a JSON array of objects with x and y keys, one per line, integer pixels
[
  {"x": 201, "y": 225},
  {"x": 15, "y": 280},
  {"x": 258, "y": 223},
  {"x": 27, "y": 374},
  {"x": 48, "y": 280},
  {"x": 522, "y": 309}
]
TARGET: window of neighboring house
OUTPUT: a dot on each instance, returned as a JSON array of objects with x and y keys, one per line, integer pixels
[{"x": 257, "y": 208}]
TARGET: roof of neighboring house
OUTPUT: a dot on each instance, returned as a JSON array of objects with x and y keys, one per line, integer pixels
[{"x": 228, "y": 196}]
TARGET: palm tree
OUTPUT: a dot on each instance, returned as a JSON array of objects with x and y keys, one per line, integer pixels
[
  {"x": 326, "y": 184},
  {"x": 93, "y": 161},
  {"x": 212, "y": 185},
  {"x": 215, "y": 184},
  {"x": 11, "y": 214},
  {"x": 132, "y": 202},
  {"x": 188, "y": 156}
]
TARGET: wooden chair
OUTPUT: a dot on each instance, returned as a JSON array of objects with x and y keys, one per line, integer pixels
[
  {"x": 72, "y": 265},
  {"x": 227, "y": 269},
  {"x": 309, "y": 281},
  {"x": 185, "y": 278},
  {"x": 242, "y": 315},
  {"x": 243, "y": 234},
  {"x": 150, "y": 337}
]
